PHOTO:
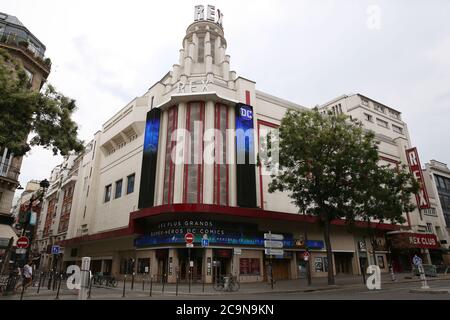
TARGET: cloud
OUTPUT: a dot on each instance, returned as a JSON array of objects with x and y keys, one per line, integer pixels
[{"x": 105, "y": 53}]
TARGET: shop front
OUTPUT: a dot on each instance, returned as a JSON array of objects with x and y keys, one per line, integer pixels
[
  {"x": 220, "y": 257},
  {"x": 405, "y": 245}
]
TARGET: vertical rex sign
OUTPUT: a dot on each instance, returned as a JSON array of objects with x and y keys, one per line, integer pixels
[
  {"x": 245, "y": 157},
  {"x": 423, "y": 201},
  {"x": 149, "y": 157}
]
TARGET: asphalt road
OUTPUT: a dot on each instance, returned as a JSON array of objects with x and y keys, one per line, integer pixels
[{"x": 388, "y": 292}]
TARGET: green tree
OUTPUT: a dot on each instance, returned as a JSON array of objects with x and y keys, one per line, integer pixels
[
  {"x": 46, "y": 114},
  {"x": 328, "y": 164},
  {"x": 384, "y": 196}
]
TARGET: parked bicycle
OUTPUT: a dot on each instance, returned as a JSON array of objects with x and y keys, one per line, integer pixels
[
  {"x": 228, "y": 284},
  {"x": 103, "y": 280}
]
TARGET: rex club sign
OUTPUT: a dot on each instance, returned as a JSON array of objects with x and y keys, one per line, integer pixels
[{"x": 423, "y": 202}]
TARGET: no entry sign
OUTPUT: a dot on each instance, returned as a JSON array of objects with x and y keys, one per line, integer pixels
[
  {"x": 23, "y": 242},
  {"x": 189, "y": 237}
]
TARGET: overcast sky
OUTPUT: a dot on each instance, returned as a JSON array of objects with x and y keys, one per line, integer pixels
[{"x": 105, "y": 53}]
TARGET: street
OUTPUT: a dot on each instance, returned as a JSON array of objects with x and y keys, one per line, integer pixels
[{"x": 389, "y": 291}]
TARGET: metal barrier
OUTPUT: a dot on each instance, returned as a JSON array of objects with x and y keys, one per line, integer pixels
[{"x": 429, "y": 269}]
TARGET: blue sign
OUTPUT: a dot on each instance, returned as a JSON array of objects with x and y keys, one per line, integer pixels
[
  {"x": 314, "y": 244},
  {"x": 417, "y": 261},
  {"x": 205, "y": 242},
  {"x": 231, "y": 239},
  {"x": 56, "y": 249}
]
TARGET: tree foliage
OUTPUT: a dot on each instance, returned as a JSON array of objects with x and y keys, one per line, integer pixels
[
  {"x": 46, "y": 114},
  {"x": 330, "y": 167}
]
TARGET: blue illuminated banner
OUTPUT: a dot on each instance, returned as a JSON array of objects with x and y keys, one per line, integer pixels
[
  {"x": 245, "y": 156},
  {"x": 149, "y": 157}
]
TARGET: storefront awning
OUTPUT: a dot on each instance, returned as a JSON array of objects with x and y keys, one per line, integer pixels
[
  {"x": 6, "y": 232},
  {"x": 409, "y": 240}
]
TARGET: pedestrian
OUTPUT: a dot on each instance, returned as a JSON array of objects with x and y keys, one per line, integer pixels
[{"x": 27, "y": 274}]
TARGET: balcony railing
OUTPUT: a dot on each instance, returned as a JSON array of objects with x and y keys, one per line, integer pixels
[
  {"x": 24, "y": 44},
  {"x": 9, "y": 171}
]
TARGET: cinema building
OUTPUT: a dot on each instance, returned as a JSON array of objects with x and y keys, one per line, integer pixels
[{"x": 134, "y": 201}]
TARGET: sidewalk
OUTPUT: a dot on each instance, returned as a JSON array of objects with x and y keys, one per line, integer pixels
[{"x": 284, "y": 286}]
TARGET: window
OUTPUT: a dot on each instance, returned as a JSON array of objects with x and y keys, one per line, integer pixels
[
  {"x": 430, "y": 228},
  {"x": 143, "y": 265},
  {"x": 29, "y": 75},
  {"x": 201, "y": 49},
  {"x": 118, "y": 190},
  {"x": 379, "y": 108},
  {"x": 382, "y": 123},
  {"x": 130, "y": 183},
  {"x": 368, "y": 117},
  {"x": 108, "y": 193},
  {"x": 397, "y": 129},
  {"x": 321, "y": 264},
  {"x": 193, "y": 169},
  {"x": 249, "y": 267},
  {"x": 365, "y": 102},
  {"x": 220, "y": 155}
]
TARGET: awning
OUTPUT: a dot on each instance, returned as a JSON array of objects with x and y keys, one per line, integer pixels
[
  {"x": 6, "y": 232},
  {"x": 409, "y": 240}
]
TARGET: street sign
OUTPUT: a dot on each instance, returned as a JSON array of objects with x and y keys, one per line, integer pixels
[
  {"x": 23, "y": 242},
  {"x": 237, "y": 251},
  {"x": 274, "y": 252},
  {"x": 189, "y": 245},
  {"x": 273, "y": 236},
  {"x": 21, "y": 251},
  {"x": 417, "y": 261},
  {"x": 273, "y": 244},
  {"x": 205, "y": 242},
  {"x": 189, "y": 237},
  {"x": 56, "y": 249},
  {"x": 306, "y": 255}
]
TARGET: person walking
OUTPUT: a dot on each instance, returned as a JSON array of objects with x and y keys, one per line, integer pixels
[{"x": 27, "y": 274}]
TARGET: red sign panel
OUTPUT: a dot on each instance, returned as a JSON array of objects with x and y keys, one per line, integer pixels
[
  {"x": 414, "y": 240},
  {"x": 189, "y": 237},
  {"x": 423, "y": 202},
  {"x": 23, "y": 242}
]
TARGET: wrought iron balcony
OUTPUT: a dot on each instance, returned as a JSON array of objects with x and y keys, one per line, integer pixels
[{"x": 14, "y": 40}]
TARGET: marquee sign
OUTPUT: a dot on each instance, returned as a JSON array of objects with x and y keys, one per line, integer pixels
[
  {"x": 218, "y": 233},
  {"x": 423, "y": 202},
  {"x": 406, "y": 240},
  {"x": 211, "y": 14}
]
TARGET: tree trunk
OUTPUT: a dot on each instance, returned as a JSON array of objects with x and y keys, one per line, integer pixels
[
  {"x": 326, "y": 235},
  {"x": 373, "y": 243}
]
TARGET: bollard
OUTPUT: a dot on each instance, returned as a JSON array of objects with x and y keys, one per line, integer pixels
[
  {"x": 124, "y": 282},
  {"x": 55, "y": 281},
  {"x": 423, "y": 277},
  {"x": 163, "y": 283},
  {"x": 49, "y": 284},
  {"x": 90, "y": 287},
  {"x": 132, "y": 281},
  {"x": 189, "y": 280},
  {"x": 203, "y": 285},
  {"x": 59, "y": 287},
  {"x": 23, "y": 289},
  {"x": 40, "y": 281},
  {"x": 151, "y": 285},
  {"x": 176, "y": 291}
]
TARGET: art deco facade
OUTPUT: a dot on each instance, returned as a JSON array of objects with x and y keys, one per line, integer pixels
[{"x": 165, "y": 165}]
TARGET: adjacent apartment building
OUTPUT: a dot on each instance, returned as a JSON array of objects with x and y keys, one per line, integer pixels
[
  {"x": 21, "y": 44},
  {"x": 427, "y": 235}
]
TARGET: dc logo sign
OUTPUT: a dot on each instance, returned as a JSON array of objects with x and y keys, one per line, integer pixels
[{"x": 246, "y": 114}]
